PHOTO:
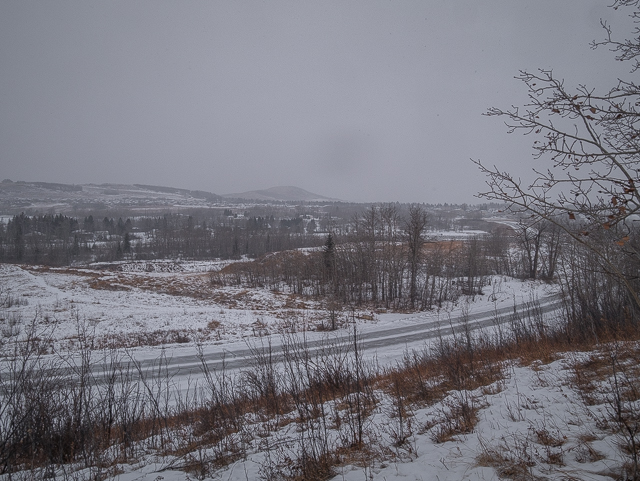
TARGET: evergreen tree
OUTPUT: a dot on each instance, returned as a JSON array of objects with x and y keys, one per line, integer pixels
[{"x": 328, "y": 256}]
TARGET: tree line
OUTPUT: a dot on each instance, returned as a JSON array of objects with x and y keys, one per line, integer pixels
[
  {"x": 226, "y": 233},
  {"x": 390, "y": 260},
  {"x": 63, "y": 240}
]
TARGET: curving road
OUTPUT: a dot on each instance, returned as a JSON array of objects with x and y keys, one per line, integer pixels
[{"x": 186, "y": 363}]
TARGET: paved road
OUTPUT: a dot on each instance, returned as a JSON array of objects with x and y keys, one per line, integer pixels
[{"x": 185, "y": 363}]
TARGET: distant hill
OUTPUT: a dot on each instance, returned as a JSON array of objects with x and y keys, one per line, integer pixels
[
  {"x": 287, "y": 193},
  {"x": 198, "y": 194},
  {"x": 19, "y": 196}
]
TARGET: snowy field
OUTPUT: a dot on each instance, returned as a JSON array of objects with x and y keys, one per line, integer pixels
[
  {"x": 143, "y": 305},
  {"x": 538, "y": 420},
  {"x": 135, "y": 304},
  {"x": 535, "y": 423}
]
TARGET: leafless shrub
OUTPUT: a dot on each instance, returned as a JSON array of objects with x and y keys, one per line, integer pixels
[
  {"x": 401, "y": 416},
  {"x": 95, "y": 410},
  {"x": 511, "y": 459},
  {"x": 609, "y": 376},
  {"x": 458, "y": 416},
  {"x": 552, "y": 442},
  {"x": 142, "y": 338},
  {"x": 585, "y": 452},
  {"x": 10, "y": 326},
  {"x": 56, "y": 412},
  {"x": 262, "y": 381},
  {"x": 624, "y": 411},
  {"x": 8, "y": 300}
]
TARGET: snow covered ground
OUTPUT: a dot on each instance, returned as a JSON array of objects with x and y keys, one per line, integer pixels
[
  {"x": 535, "y": 423},
  {"x": 142, "y": 305},
  {"x": 133, "y": 306}
]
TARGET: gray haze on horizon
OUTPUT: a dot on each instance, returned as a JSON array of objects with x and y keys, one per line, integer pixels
[{"x": 358, "y": 100}]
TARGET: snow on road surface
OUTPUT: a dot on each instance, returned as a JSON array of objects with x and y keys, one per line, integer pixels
[
  {"x": 146, "y": 305},
  {"x": 514, "y": 413}
]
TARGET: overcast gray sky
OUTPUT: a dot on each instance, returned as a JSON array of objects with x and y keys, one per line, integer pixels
[{"x": 358, "y": 100}]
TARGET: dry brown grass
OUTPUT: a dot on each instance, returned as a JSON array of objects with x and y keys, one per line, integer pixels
[
  {"x": 108, "y": 285},
  {"x": 294, "y": 301},
  {"x": 585, "y": 452},
  {"x": 179, "y": 284},
  {"x": 448, "y": 372},
  {"x": 452, "y": 245},
  {"x": 427, "y": 377},
  {"x": 458, "y": 416},
  {"x": 591, "y": 375},
  {"x": 139, "y": 339},
  {"x": 213, "y": 325},
  {"x": 509, "y": 463},
  {"x": 553, "y": 439}
]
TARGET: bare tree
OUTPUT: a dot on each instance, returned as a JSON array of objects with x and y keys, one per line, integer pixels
[
  {"x": 592, "y": 141},
  {"x": 551, "y": 248},
  {"x": 414, "y": 228},
  {"x": 393, "y": 258},
  {"x": 530, "y": 238}
]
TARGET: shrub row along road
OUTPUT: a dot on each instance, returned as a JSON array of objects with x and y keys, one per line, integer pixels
[{"x": 182, "y": 364}]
